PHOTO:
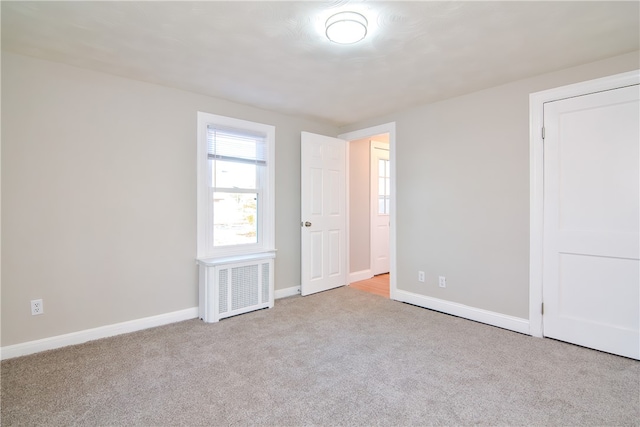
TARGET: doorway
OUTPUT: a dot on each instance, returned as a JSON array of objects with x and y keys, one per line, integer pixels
[
  {"x": 371, "y": 209},
  {"x": 326, "y": 262}
]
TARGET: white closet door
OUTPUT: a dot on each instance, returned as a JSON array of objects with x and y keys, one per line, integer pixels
[{"x": 591, "y": 273}]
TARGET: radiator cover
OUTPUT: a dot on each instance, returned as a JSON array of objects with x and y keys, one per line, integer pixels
[{"x": 235, "y": 285}]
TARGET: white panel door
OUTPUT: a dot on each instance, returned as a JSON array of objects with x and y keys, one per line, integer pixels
[
  {"x": 380, "y": 206},
  {"x": 323, "y": 187},
  {"x": 591, "y": 267}
]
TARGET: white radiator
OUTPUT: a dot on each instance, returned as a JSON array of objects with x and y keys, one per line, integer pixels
[{"x": 235, "y": 285}]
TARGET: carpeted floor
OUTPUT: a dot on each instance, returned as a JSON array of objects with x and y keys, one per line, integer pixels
[{"x": 342, "y": 357}]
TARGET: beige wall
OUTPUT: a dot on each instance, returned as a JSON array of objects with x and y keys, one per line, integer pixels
[
  {"x": 98, "y": 194},
  {"x": 463, "y": 190},
  {"x": 98, "y": 197}
]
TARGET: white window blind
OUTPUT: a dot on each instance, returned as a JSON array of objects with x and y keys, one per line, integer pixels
[{"x": 231, "y": 145}]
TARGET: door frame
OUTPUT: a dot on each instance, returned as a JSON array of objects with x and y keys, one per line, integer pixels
[
  {"x": 536, "y": 178},
  {"x": 389, "y": 128}
]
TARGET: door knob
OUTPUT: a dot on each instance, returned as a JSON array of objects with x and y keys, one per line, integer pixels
[{"x": 307, "y": 224}]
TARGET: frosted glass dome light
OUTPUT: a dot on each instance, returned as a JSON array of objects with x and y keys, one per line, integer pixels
[{"x": 346, "y": 27}]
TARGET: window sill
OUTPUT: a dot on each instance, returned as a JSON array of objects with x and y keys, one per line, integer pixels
[{"x": 213, "y": 261}]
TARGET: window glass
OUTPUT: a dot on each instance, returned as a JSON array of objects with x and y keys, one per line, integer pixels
[
  {"x": 384, "y": 186},
  {"x": 381, "y": 205},
  {"x": 227, "y": 174},
  {"x": 234, "y": 218}
]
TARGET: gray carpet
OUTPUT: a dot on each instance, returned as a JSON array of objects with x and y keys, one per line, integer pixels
[{"x": 342, "y": 357}]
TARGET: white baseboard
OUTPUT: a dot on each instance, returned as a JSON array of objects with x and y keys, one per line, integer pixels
[
  {"x": 491, "y": 318},
  {"x": 360, "y": 275},
  {"x": 80, "y": 337},
  {"x": 286, "y": 292},
  {"x": 504, "y": 321}
]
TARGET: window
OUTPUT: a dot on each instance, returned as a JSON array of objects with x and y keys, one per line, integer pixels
[
  {"x": 384, "y": 187},
  {"x": 235, "y": 186}
]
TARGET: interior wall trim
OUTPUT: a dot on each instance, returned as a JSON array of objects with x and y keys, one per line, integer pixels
[
  {"x": 30, "y": 347},
  {"x": 286, "y": 292},
  {"x": 80, "y": 337},
  {"x": 492, "y": 318},
  {"x": 356, "y": 276}
]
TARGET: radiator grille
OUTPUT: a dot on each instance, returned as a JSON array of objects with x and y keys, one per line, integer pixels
[
  {"x": 244, "y": 289},
  {"x": 224, "y": 286},
  {"x": 234, "y": 287},
  {"x": 265, "y": 282}
]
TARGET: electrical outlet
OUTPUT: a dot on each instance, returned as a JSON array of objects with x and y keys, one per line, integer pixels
[
  {"x": 37, "y": 307},
  {"x": 442, "y": 281},
  {"x": 421, "y": 276}
]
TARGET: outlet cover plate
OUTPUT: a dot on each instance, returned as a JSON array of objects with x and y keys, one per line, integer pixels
[
  {"x": 442, "y": 281},
  {"x": 37, "y": 307}
]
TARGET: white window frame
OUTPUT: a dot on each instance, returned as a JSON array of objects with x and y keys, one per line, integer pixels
[{"x": 266, "y": 208}]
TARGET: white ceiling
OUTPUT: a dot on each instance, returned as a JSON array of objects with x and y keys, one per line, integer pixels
[{"x": 274, "y": 55}]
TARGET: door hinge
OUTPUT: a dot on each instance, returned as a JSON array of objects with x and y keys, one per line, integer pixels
[
  {"x": 542, "y": 309},
  {"x": 542, "y": 132}
]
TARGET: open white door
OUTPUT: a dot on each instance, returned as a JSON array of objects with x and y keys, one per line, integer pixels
[
  {"x": 380, "y": 207},
  {"x": 324, "y": 221},
  {"x": 591, "y": 267}
]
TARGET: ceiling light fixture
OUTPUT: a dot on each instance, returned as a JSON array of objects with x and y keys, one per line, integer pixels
[{"x": 346, "y": 27}]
